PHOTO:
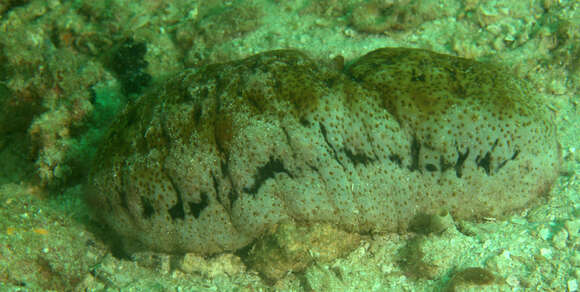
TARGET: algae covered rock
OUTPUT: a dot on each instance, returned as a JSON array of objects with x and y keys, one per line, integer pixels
[{"x": 220, "y": 155}]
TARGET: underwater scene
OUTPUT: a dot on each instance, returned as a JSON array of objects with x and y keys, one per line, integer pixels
[{"x": 301, "y": 145}]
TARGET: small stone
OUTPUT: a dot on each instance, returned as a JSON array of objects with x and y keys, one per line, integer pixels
[
  {"x": 545, "y": 233},
  {"x": 159, "y": 262},
  {"x": 227, "y": 264},
  {"x": 573, "y": 227},
  {"x": 512, "y": 281},
  {"x": 575, "y": 260},
  {"x": 546, "y": 252},
  {"x": 572, "y": 285},
  {"x": 560, "y": 239},
  {"x": 519, "y": 220},
  {"x": 192, "y": 263}
]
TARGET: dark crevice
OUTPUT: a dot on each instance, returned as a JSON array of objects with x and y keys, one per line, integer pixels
[
  {"x": 289, "y": 143},
  {"x": 196, "y": 208},
  {"x": 430, "y": 167},
  {"x": 485, "y": 161},
  {"x": 220, "y": 144},
  {"x": 324, "y": 135},
  {"x": 164, "y": 128},
  {"x": 369, "y": 137},
  {"x": 503, "y": 163},
  {"x": 197, "y": 111},
  {"x": 415, "y": 149},
  {"x": 443, "y": 166},
  {"x": 255, "y": 103},
  {"x": 177, "y": 211},
  {"x": 216, "y": 188},
  {"x": 232, "y": 195},
  {"x": 515, "y": 155},
  {"x": 357, "y": 159},
  {"x": 288, "y": 140},
  {"x": 266, "y": 172},
  {"x": 461, "y": 157},
  {"x": 224, "y": 167},
  {"x": 312, "y": 167},
  {"x": 218, "y": 101},
  {"x": 396, "y": 159},
  {"x": 109, "y": 204},
  {"x": 148, "y": 209},
  {"x": 124, "y": 202}
]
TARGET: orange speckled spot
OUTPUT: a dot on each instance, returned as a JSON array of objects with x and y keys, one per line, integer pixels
[{"x": 40, "y": 231}]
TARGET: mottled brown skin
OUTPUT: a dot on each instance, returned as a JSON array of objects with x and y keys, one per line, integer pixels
[{"x": 220, "y": 155}]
